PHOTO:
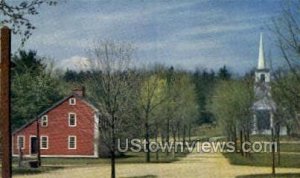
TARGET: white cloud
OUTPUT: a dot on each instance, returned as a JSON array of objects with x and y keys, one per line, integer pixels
[{"x": 73, "y": 63}]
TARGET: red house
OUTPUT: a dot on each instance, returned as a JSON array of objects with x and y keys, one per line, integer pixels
[{"x": 67, "y": 129}]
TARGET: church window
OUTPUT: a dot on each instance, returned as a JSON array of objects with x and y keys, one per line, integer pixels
[{"x": 262, "y": 77}]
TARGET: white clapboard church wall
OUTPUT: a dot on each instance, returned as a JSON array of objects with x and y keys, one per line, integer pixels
[{"x": 264, "y": 106}]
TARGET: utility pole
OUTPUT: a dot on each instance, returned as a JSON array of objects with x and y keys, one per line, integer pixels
[
  {"x": 273, "y": 145},
  {"x": 38, "y": 141},
  {"x": 5, "y": 109}
]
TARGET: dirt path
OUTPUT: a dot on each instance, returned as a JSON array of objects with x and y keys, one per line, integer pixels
[{"x": 195, "y": 165}]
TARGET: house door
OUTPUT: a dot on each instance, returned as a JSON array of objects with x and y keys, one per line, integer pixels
[{"x": 34, "y": 146}]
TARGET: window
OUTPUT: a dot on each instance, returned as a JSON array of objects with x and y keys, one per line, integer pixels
[
  {"x": 44, "y": 121},
  {"x": 72, "y": 101},
  {"x": 72, "y": 120},
  {"x": 263, "y": 119},
  {"x": 262, "y": 77},
  {"x": 44, "y": 142},
  {"x": 21, "y": 142},
  {"x": 72, "y": 142}
]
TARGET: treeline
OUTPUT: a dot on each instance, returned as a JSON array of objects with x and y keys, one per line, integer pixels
[{"x": 155, "y": 102}]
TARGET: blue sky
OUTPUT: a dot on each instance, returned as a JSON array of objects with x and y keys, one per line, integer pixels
[{"x": 185, "y": 34}]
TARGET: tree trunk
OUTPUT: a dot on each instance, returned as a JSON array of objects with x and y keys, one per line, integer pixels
[
  {"x": 178, "y": 131},
  {"x": 38, "y": 142},
  {"x": 235, "y": 139},
  {"x": 156, "y": 141},
  {"x": 174, "y": 145},
  {"x": 246, "y": 139},
  {"x": 113, "y": 164},
  {"x": 273, "y": 152},
  {"x": 162, "y": 135},
  {"x": 20, "y": 157},
  {"x": 183, "y": 136},
  {"x": 168, "y": 133},
  {"x": 113, "y": 151},
  {"x": 147, "y": 142},
  {"x": 241, "y": 142},
  {"x": 190, "y": 132},
  {"x": 278, "y": 145}
]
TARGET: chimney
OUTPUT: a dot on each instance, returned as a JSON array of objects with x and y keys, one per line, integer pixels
[{"x": 79, "y": 91}]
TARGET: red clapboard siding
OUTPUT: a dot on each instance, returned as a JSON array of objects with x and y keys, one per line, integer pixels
[{"x": 58, "y": 130}]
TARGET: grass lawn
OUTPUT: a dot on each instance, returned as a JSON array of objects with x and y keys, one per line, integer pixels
[
  {"x": 291, "y": 175},
  {"x": 26, "y": 171},
  {"x": 290, "y": 147},
  {"x": 128, "y": 158},
  {"x": 264, "y": 159},
  {"x": 51, "y": 164},
  {"x": 268, "y": 138},
  {"x": 147, "y": 176}
]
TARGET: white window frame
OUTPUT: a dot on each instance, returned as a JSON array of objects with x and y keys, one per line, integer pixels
[
  {"x": 18, "y": 142},
  {"x": 69, "y": 119},
  {"x": 42, "y": 121},
  {"x": 72, "y": 101},
  {"x": 75, "y": 142},
  {"x": 41, "y": 142}
]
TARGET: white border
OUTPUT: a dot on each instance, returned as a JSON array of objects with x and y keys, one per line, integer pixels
[
  {"x": 72, "y": 101},
  {"x": 41, "y": 143},
  {"x": 18, "y": 146},
  {"x": 42, "y": 120},
  {"x": 69, "y": 119},
  {"x": 75, "y": 142},
  {"x": 96, "y": 135}
]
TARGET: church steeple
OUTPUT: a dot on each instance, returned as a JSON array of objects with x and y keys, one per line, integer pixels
[{"x": 261, "y": 55}]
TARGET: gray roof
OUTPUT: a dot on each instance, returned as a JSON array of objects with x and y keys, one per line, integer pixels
[{"x": 264, "y": 104}]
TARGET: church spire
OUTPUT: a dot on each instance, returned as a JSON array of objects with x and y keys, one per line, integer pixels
[{"x": 261, "y": 55}]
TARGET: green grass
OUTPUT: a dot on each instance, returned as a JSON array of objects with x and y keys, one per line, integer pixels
[
  {"x": 128, "y": 158},
  {"x": 146, "y": 176},
  {"x": 268, "y": 138},
  {"x": 264, "y": 159},
  {"x": 27, "y": 171},
  {"x": 291, "y": 175},
  {"x": 290, "y": 147},
  {"x": 208, "y": 131},
  {"x": 60, "y": 163}
]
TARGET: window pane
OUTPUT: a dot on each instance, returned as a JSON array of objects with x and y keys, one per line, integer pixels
[
  {"x": 263, "y": 119},
  {"x": 72, "y": 119},
  {"x": 44, "y": 142},
  {"x": 21, "y": 142},
  {"x": 44, "y": 121},
  {"x": 72, "y": 142}
]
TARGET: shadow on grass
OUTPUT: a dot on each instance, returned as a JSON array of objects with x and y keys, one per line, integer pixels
[
  {"x": 289, "y": 175},
  {"x": 146, "y": 176},
  {"x": 27, "y": 171}
]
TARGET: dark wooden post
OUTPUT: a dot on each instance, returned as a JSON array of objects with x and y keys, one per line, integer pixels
[
  {"x": 38, "y": 142},
  {"x": 273, "y": 151},
  {"x": 273, "y": 144},
  {"x": 20, "y": 157},
  {"x": 5, "y": 102}
]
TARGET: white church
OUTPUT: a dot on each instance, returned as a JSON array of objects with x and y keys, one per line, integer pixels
[{"x": 264, "y": 107}]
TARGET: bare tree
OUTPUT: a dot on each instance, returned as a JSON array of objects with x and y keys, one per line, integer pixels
[
  {"x": 111, "y": 88},
  {"x": 16, "y": 15},
  {"x": 286, "y": 30},
  {"x": 152, "y": 95}
]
